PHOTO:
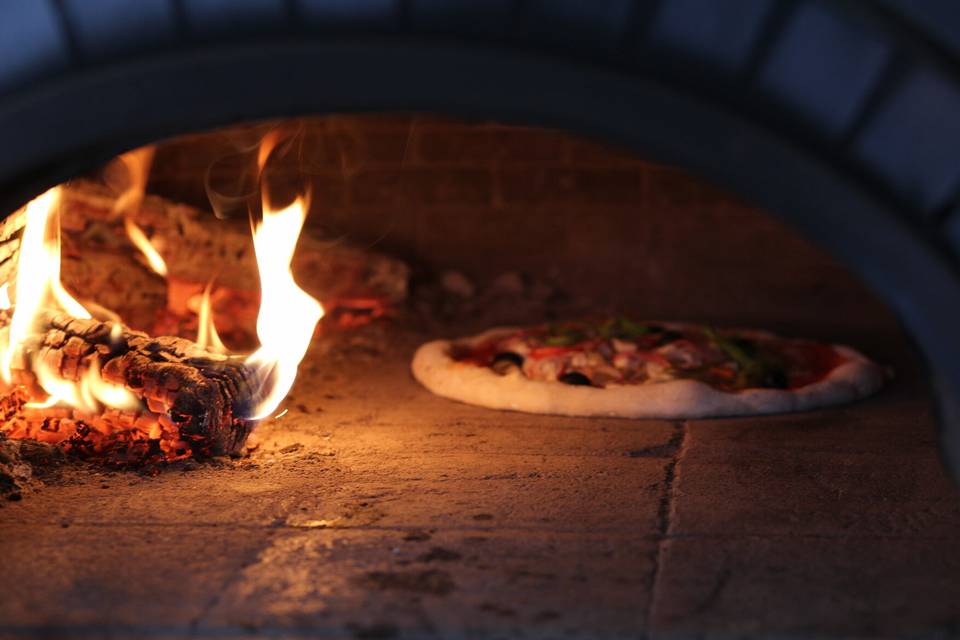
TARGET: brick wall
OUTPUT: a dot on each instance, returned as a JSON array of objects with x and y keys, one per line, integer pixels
[{"x": 484, "y": 198}]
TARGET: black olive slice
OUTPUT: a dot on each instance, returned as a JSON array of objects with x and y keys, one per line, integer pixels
[
  {"x": 505, "y": 361},
  {"x": 575, "y": 378}
]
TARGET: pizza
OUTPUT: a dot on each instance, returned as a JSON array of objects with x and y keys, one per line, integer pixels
[{"x": 620, "y": 367}]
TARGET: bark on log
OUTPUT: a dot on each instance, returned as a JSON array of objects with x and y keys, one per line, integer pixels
[
  {"x": 193, "y": 401},
  {"x": 10, "y": 231},
  {"x": 196, "y": 246}
]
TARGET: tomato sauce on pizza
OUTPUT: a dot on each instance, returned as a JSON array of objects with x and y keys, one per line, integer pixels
[{"x": 626, "y": 352}]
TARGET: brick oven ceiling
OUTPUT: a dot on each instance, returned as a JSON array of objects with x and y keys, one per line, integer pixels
[{"x": 840, "y": 117}]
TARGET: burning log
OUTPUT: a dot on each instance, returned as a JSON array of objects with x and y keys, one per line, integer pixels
[
  {"x": 189, "y": 242},
  {"x": 128, "y": 394},
  {"x": 187, "y": 400}
]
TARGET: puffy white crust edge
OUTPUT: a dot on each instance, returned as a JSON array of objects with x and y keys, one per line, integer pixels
[{"x": 434, "y": 368}]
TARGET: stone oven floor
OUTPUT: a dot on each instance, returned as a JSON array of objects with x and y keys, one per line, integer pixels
[{"x": 374, "y": 509}]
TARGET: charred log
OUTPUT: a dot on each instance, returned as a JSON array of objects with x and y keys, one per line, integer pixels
[{"x": 191, "y": 401}]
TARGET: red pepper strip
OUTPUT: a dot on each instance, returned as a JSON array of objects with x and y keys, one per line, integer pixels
[
  {"x": 546, "y": 352},
  {"x": 723, "y": 372}
]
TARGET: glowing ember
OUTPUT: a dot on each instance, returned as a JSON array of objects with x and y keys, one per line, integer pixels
[{"x": 288, "y": 315}]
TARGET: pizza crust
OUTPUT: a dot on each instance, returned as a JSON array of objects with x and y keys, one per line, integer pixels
[{"x": 435, "y": 369}]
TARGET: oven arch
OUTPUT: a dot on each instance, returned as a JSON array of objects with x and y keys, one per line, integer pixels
[{"x": 96, "y": 81}]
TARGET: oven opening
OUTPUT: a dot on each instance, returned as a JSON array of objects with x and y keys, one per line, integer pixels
[
  {"x": 189, "y": 293},
  {"x": 443, "y": 318},
  {"x": 234, "y": 314}
]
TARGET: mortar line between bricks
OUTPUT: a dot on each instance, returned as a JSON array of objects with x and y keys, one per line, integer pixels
[
  {"x": 597, "y": 531},
  {"x": 664, "y": 514}
]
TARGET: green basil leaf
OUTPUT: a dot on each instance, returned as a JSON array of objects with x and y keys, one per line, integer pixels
[
  {"x": 755, "y": 370},
  {"x": 623, "y": 329},
  {"x": 563, "y": 339}
]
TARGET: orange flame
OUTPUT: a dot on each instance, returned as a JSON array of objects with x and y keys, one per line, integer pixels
[
  {"x": 288, "y": 315},
  {"x": 285, "y": 323},
  {"x": 137, "y": 163},
  {"x": 207, "y": 336},
  {"x": 89, "y": 396},
  {"x": 38, "y": 288},
  {"x": 142, "y": 242},
  {"x": 267, "y": 145},
  {"x": 38, "y": 274}
]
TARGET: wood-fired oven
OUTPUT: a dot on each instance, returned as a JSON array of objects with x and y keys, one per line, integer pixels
[{"x": 327, "y": 184}]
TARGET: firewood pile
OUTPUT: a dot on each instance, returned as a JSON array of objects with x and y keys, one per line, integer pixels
[
  {"x": 101, "y": 265},
  {"x": 181, "y": 399}
]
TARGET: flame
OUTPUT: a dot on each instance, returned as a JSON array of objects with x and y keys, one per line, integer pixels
[
  {"x": 38, "y": 274},
  {"x": 137, "y": 163},
  {"x": 140, "y": 241},
  {"x": 95, "y": 388},
  {"x": 5, "y": 296},
  {"x": 288, "y": 315},
  {"x": 267, "y": 144},
  {"x": 207, "y": 336},
  {"x": 285, "y": 322},
  {"x": 38, "y": 289},
  {"x": 89, "y": 396}
]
